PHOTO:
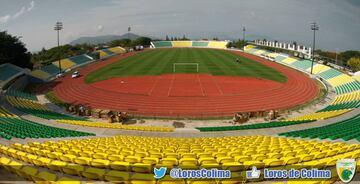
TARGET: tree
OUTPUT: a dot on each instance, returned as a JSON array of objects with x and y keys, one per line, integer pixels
[
  {"x": 13, "y": 51},
  {"x": 167, "y": 38},
  {"x": 354, "y": 63},
  {"x": 142, "y": 41}
]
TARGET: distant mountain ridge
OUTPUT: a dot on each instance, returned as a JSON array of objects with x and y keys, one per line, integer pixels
[{"x": 103, "y": 39}]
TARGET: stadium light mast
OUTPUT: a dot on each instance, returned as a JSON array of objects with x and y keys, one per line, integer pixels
[
  {"x": 244, "y": 36},
  {"x": 314, "y": 27},
  {"x": 58, "y": 27}
]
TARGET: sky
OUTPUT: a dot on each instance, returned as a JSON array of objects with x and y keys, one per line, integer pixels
[{"x": 281, "y": 20}]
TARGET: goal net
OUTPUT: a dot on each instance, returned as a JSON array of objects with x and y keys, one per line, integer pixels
[{"x": 186, "y": 67}]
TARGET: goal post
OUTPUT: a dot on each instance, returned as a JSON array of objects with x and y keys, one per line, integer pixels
[{"x": 194, "y": 65}]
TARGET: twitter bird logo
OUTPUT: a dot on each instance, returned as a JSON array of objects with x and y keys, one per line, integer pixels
[{"x": 159, "y": 173}]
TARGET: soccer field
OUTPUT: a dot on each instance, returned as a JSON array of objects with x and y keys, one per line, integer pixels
[{"x": 208, "y": 61}]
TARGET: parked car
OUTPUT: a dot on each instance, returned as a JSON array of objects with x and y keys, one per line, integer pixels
[
  {"x": 76, "y": 74},
  {"x": 59, "y": 75}
]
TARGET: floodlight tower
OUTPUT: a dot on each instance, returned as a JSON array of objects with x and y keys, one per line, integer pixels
[
  {"x": 244, "y": 36},
  {"x": 58, "y": 27},
  {"x": 314, "y": 27}
]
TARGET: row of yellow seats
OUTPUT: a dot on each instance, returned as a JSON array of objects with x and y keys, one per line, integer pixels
[
  {"x": 270, "y": 157},
  {"x": 321, "y": 115},
  {"x": 348, "y": 97},
  {"x": 116, "y": 126},
  {"x": 5, "y": 113},
  {"x": 117, "y": 50},
  {"x": 100, "y": 174},
  {"x": 25, "y": 103},
  {"x": 340, "y": 80}
]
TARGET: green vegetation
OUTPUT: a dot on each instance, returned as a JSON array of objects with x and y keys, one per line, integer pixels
[
  {"x": 354, "y": 63},
  {"x": 12, "y": 50},
  {"x": 45, "y": 57},
  {"x": 55, "y": 100},
  {"x": 160, "y": 61}
]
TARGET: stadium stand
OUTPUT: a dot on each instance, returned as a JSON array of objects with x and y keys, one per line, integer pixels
[
  {"x": 345, "y": 130},
  {"x": 65, "y": 64},
  {"x": 160, "y": 44},
  {"x": 21, "y": 128},
  {"x": 80, "y": 59},
  {"x": 217, "y": 44},
  {"x": 49, "y": 71},
  {"x": 7, "y": 71},
  {"x": 132, "y": 158},
  {"x": 117, "y": 50},
  {"x": 200, "y": 43},
  {"x": 40, "y": 74},
  {"x": 253, "y": 126},
  {"x": 343, "y": 84},
  {"x": 181, "y": 43},
  {"x": 357, "y": 77},
  {"x": 116, "y": 126},
  {"x": 207, "y": 44},
  {"x": 28, "y": 103},
  {"x": 108, "y": 52}
]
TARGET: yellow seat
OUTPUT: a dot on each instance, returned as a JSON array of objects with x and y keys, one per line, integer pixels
[
  {"x": 45, "y": 177},
  {"x": 132, "y": 159},
  {"x": 117, "y": 176},
  {"x": 54, "y": 155},
  {"x": 100, "y": 155},
  {"x": 67, "y": 180},
  {"x": 275, "y": 155},
  {"x": 115, "y": 157},
  {"x": 13, "y": 166},
  {"x": 150, "y": 160},
  {"x": 290, "y": 160},
  {"x": 73, "y": 169},
  {"x": 86, "y": 154},
  {"x": 233, "y": 166},
  {"x": 94, "y": 173},
  {"x": 207, "y": 160},
  {"x": 169, "y": 161},
  {"x": 272, "y": 162},
  {"x": 142, "y": 168},
  {"x": 259, "y": 157},
  {"x": 100, "y": 163},
  {"x": 225, "y": 159},
  {"x": 121, "y": 166},
  {"x": 42, "y": 161},
  {"x": 68, "y": 158},
  {"x": 56, "y": 165},
  {"x": 306, "y": 157},
  {"x": 242, "y": 158},
  {"x": 28, "y": 172},
  {"x": 188, "y": 161},
  {"x": 140, "y": 178},
  {"x": 249, "y": 164},
  {"x": 188, "y": 155},
  {"x": 83, "y": 160}
]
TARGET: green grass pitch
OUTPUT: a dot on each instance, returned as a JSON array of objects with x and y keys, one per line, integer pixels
[{"x": 210, "y": 61}]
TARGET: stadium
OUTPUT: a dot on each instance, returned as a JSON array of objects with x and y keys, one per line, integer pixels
[{"x": 203, "y": 108}]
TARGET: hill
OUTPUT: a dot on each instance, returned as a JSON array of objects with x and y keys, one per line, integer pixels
[{"x": 103, "y": 39}]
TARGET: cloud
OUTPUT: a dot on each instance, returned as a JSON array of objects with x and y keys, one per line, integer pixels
[
  {"x": 100, "y": 28},
  {"x": 19, "y": 13},
  {"x": 4, "y": 19},
  {"x": 32, "y": 4}
]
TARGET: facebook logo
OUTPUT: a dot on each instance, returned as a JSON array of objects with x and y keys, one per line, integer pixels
[{"x": 253, "y": 174}]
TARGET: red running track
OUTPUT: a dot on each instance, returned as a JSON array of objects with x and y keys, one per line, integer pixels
[{"x": 188, "y": 95}]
